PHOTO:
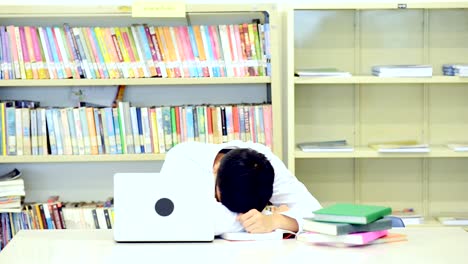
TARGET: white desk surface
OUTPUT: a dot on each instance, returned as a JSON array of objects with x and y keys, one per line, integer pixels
[{"x": 424, "y": 245}]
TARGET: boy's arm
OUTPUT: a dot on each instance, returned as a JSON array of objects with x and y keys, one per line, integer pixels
[
  {"x": 225, "y": 220},
  {"x": 256, "y": 222}
]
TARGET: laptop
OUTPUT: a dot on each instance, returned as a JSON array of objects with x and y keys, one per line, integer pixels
[{"x": 154, "y": 207}]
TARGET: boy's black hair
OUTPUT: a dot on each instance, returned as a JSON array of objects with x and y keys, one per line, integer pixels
[{"x": 245, "y": 180}]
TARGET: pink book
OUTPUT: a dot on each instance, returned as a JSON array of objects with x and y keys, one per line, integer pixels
[
  {"x": 232, "y": 49},
  {"x": 217, "y": 50},
  {"x": 129, "y": 49},
  {"x": 151, "y": 45},
  {"x": 194, "y": 64},
  {"x": 253, "y": 128},
  {"x": 350, "y": 239},
  {"x": 268, "y": 125},
  {"x": 41, "y": 69},
  {"x": 61, "y": 52},
  {"x": 159, "y": 55},
  {"x": 187, "y": 61},
  {"x": 26, "y": 58},
  {"x": 14, "y": 51},
  {"x": 30, "y": 48},
  {"x": 94, "y": 51},
  {"x": 240, "y": 54},
  {"x": 110, "y": 45}
]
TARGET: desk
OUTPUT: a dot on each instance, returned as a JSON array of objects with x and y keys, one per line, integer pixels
[{"x": 424, "y": 245}]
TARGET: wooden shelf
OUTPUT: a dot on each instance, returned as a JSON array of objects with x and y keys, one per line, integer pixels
[
  {"x": 366, "y": 152},
  {"x": 142, "y": 81},
  {"x": 379, "y": 80},
  {"x": 81, "y": 158}
]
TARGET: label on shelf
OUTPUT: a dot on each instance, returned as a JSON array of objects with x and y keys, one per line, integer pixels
[{"x": 152, "y": 8}]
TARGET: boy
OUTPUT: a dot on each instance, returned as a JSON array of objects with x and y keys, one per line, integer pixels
[{"x": 247, "y": 176}]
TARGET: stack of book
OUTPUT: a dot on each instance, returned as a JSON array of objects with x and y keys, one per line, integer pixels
[
  {"x": 321, "y": 72},
  {"x": 410, "y": 146},
  {"x": 456, "y": 69},
  {"x": 326, "y": 146},
  {"x": 349, "y": 225},
  {"x": 402, "y": 70},
  {"x": 11, "y": 191}
]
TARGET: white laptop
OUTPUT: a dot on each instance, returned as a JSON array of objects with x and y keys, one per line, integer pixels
[{"x": 154, "y": 207}]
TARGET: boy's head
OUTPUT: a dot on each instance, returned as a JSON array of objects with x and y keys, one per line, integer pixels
[{"x": 244, "y": 180}]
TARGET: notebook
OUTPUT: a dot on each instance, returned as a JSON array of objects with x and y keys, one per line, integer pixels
[{"x": 154, "y": 207}]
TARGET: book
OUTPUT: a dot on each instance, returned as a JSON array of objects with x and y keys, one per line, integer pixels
[
  {"x": 245, "y": 236},
  {"x": 400, "y": 146},
  {"x": 453, "y": 220},
  {"x": 326, "y": 146},
  {"x": 11, "y": 175},
  {"x": 402, "y": 70},
  {"x": 351, "y": 213},
  {"x": 362, "y": 238},
  {"x": 408, "y": 216},
  {"x": 332, "y": 228},
  {"x": 321, "y": 72},
  {"x": 458, "y": 146}
]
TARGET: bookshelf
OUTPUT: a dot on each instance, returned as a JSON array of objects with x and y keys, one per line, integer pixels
[
  {"x": 363, "y": 108},
  {"x": 141, "y": 91}
]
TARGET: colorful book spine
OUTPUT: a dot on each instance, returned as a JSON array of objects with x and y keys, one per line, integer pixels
[
  {"x": 25, "y": 54},
  {"x": 136, "y": 45},
  {"x": 78, "y": 131},
  {"x": 160, "y": 36},
  {"x": 86, "y": 60},
  {"x": 146, "y": 50},
  {"x": 51, "y": 131},
  {"x": 93, "y": 41},
  {"x": 135, "y": 64},
  {"x": 102, "y": 50},
  {"x": 10, "y": 31},
  {"x": 54, "y": 51},
  {"x": 154, "y": 129},
  {"x": 212, "y": 66},
  {"x": 85, "y": 131},
  {"x": 61, "y": 52},
  {"x": 65, "y": 131},
  {"x": 127, "y": 68},
  {"x": 108, "y": 113},
  {"x": 145, "y": 120},
  {"x": 50, "y": 64},
  {"x": 119, "y": 144},
  {"x": 98, "y": 128},
  {"x": 116, "y": 52},
  {"x": 159, "y": 56},
  {"x": 160, "y": 124},
  {"x": 75, "y": 52}
]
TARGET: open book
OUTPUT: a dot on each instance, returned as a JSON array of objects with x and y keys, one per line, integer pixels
[{"x": 245, "y": 236}]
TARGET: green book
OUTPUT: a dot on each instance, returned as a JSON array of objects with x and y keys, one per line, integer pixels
[
  {"x": 351, "y": 213},
  {"x": 336, "y": 229}
]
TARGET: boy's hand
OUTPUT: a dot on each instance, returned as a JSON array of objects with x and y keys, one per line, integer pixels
[{"x": 255, "y": 222}]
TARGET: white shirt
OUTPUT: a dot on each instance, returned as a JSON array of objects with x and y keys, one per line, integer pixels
[{"x": 198, "y": 158}]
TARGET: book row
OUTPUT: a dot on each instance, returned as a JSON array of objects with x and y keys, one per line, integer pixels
[
  {"x": 137, "y": 51},
  {"x": 55, "y": 215},
  {"x": 127, "y": 129}
]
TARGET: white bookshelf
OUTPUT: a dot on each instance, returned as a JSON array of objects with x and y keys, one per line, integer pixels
[{"x": 363, "y": 108}]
